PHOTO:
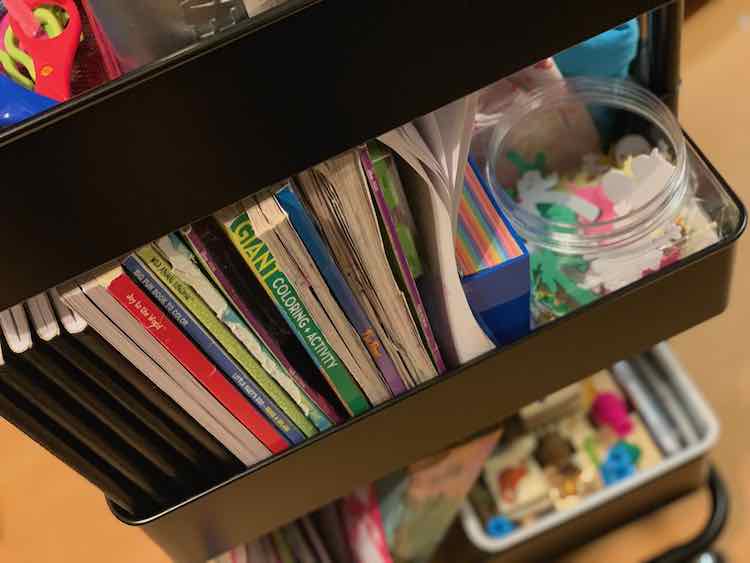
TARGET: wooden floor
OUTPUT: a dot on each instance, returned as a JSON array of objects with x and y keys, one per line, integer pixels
[{"x": 47, "y": 513}]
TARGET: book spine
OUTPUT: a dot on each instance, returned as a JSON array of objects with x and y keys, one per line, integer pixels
[
  {"x": 282, "y": 548},
  {"x": 150, "y": 316},
  {"x": 291, "y": 397},
  {"x": 321, "y": 413},
  {"x": 213, "y": 350},
  {"x": 336, "y": 282},
  {"x": 247, "y": 374},
  {"x": 165, "y": 405},
  {"x": 269, "y": 551},
  {"x": 363, "y": 523},
  {"x": 262, "y": 263},
  {"x": 403, "y": 265}
]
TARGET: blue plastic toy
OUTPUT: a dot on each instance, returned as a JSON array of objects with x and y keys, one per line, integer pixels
[
  {"x": 499, "y": 526},
  {"x": 608, "y": 54},
  {"x": 620, "y": 463},
  {"x": 18, "y": 103}
]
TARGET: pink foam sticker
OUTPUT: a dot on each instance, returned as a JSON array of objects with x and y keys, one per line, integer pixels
[
  {"x": 597, "y": 196},
  {"x": 670, "y": 257}
]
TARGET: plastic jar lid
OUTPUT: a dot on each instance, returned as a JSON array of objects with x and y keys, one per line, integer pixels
[{"x": 526, "y": 124}]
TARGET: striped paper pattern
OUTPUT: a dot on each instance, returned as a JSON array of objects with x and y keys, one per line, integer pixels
[{"x": 483, "y": 239}]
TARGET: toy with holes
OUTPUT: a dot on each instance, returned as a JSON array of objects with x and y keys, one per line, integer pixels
[{"x": 39, "y": 43}]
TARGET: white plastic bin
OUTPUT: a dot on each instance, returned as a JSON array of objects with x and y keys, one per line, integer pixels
[{"x": 609, "y": 507}]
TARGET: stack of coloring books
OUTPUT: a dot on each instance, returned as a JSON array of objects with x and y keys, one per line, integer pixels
[
  {"x": 265, "y": 324},
  {"x": 255, "y": 329}
]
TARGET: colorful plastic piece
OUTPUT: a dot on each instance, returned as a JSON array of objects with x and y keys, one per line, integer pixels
[
  {"x": 620, "y": 463},
  {"x": 21, "y": 11},
  {"x": 499, "y": 526},
  {"x": 52, "y": 56},
  {"x": 609, "y": 409},
  {"x": 18, "y": 104},
  {"x": 524, "y": 165}
]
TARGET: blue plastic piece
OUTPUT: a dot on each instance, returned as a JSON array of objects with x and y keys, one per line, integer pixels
[
  {"x": 18, "y": 104},
  {"x": 499, "y": 526},
  {"x": 619, "y": 464},
  {"x": 609, "y": 55}
]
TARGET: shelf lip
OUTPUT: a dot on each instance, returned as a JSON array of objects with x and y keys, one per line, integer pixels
[{"x": 241, "y": 113}]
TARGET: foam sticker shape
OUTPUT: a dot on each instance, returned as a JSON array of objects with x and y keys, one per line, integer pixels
[
  {"x": 618, "y": 186},
  {"x": 534, "y": 189},
  {"x": 523, "y": 165},
  {"x": 548, "y": 272},
  {"x": 597, "y": 196},
  {"x": 650, "y": 173},
  {"x": 630, "y": 145},
  {"x": 615, "y": 273}
]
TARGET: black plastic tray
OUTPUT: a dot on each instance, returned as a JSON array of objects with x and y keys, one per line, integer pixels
[{"x": 450, "y": 408}]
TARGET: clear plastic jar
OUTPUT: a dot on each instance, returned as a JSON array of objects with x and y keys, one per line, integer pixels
[{"x": 593, "y": 174}]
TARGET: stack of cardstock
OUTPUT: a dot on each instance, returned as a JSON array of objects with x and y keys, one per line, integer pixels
[{"x": 494, "y": 263}]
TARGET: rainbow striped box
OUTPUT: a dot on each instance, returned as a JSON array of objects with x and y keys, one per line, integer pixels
[{"x": 493, "y": 263}]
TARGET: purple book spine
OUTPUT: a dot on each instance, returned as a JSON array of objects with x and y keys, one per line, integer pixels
[
  {"x": 257, "y": 326},
  {"x": 403, "y": 265}
]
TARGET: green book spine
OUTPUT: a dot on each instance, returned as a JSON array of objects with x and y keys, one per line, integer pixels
[
  {"x": 213, "y": 290},
  {"x": 195, "y": 304},
  {"x": 262, "y": 263}
]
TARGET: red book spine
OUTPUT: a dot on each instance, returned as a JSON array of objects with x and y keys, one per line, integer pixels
[{"x": 151, "y": 317}]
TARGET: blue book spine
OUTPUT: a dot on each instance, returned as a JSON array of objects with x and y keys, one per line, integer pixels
[
  {"x": 211, "y": 348},
  {"x": 337, "y": 284}
]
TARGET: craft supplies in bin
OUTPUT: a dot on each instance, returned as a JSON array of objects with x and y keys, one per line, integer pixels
[
  {"x": 597, "y": 211},
  {"x": 580, "y": 457}
]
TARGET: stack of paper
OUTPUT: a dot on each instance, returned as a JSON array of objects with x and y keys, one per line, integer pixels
[
  {"x": 436, "y": 147},
  {"x": 338, "y": 193}
]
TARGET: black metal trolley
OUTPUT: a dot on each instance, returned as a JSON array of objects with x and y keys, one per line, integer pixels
[{"x": 266, "y": 99}]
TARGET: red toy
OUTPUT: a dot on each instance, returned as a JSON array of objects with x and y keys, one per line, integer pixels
[{"x": 53, "y": 56}]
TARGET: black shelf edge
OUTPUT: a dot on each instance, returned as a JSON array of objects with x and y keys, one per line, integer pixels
[
  {"x": 451, "y": 408},
  {"x": 124, "y": 165}
]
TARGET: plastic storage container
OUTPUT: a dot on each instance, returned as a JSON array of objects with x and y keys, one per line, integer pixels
[
  {"x": 607, "y": 508},
  {"x": 594, "y": 174}
]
